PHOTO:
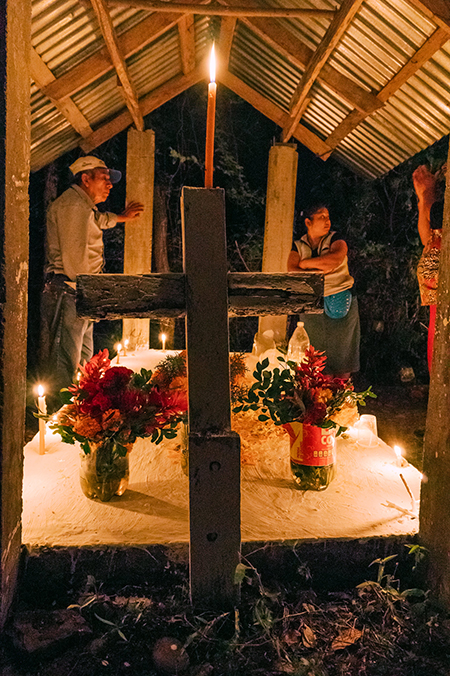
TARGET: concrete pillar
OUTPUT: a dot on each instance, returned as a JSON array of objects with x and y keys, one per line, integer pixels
[
  {"x": 15, "y": 30},
  {"x": 279, "y": 223},
  {"x": 139, "y": 234}
]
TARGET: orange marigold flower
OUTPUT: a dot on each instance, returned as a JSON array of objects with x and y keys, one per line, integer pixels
[
  {"x": 322, "y": 396},
  {"x": 111, "y": 419},
  {"x": 87, "y": 427}
]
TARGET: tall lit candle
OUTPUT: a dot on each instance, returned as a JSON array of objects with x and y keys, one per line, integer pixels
[
  {"x": 119, "y": 350},
  {"x": 42, "y": 408},
  {"x": 210, "y": 121},
  {"x": 126, "y": 342},
  {"x": 163, "y": 341}
]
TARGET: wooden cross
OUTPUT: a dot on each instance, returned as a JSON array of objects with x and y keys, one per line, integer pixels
[{"x": 205, "y": 294}]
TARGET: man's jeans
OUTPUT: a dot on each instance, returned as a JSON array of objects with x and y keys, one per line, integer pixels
[{"x": 66, "y": 340}]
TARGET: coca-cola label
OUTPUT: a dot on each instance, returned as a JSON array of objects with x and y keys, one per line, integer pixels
[{"x": 311, "y": 445}]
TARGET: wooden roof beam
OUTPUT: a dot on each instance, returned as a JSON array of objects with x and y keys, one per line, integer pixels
[
  {"x": 424, "y": 54},
  {"x": 436, "y": 10},
  {"x": 99, "y": 63},
  {"x": 274, "y": 113},
  {"x": 42, "y": 76},
  {"x": 109, "y": 35},
  {"x": 218, "y": 10},
  {"x": 227, "y": 28},
  {"x": 147, "y": 104},
  {"x": 187, "y": 42},
  {"x": 299, "y": 54},
  {"x": 343, "y": 18}
]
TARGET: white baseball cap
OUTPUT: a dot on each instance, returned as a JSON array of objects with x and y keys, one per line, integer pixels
[{"x": 91, "y": 162}]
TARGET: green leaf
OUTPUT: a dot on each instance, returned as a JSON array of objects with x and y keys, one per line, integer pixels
[
  {"x": 239, "y": 573},
  {"x": 111, "y": 624},
  {"x": 416, "y": 593},
  {"x": 263, "y": 417}
]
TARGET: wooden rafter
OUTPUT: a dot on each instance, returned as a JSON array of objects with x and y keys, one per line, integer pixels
[
  {"x": 274, "y": 113},
  {"x": 147, "y": 104},
  {"x": 42, "y": 76},
  {"x": 109, "y": 35},
  {"x": 227, "y": 28},
  {"x": 99, "y": 63},
  {"x": 428, "y": 49},
  {"x": 344, "y": 16},
  {"x": 187, "y": 42},
  {"x": 299, "y": 54},
  {"x": 218, "y": 10},
  {"x": 437, "y": 10}
]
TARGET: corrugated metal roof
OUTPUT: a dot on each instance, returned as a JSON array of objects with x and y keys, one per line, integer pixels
[{"x": 381, "y": 39}]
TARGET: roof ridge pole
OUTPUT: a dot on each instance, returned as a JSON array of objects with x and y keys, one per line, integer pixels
[{"x": 435, "y": 496}]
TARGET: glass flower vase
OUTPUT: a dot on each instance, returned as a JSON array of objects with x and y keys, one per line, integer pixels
[
  {"x": 104, "y": 472},
  {"x": 313, "y": 455}
]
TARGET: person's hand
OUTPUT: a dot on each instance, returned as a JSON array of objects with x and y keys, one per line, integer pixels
[
  {"x": 131, "y": 211},
  {"x": 424, "y": 184}
]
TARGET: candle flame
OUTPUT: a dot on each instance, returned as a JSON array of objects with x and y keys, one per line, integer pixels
[
  {"x": 212, "y": 65},
  {"x": 126, "y": 342},
  {"x": 398, "y": 452},
  {"x": 119, "y": 347},
  {"x": 40, "y": 391},
  {"x": 163, "y": 336}
]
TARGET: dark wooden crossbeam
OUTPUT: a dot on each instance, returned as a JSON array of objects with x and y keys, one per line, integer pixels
[{"x": 164, "y": 295}]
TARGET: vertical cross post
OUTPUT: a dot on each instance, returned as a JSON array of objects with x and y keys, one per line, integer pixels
[{"x": 214, "y": 451}]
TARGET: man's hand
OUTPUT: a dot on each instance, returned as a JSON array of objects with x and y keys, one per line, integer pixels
[{"x": 132, "y": 210}]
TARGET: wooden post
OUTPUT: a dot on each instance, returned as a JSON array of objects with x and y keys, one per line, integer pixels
[
  {"x": 15, "y": 29},
  {"x": 138, "y": 235},
  {"x": 214, "y": 451},
  {"x": 279, "y": 223},
  {"x": 435, "y": 494}
]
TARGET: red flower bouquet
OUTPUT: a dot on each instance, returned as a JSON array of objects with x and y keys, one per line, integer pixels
[{"x": 112, "y": 403}]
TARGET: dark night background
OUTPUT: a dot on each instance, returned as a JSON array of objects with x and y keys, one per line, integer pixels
[{"x": 378, "y": 219}]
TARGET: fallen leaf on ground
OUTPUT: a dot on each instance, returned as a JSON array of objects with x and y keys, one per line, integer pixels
[
  {"x": 346, "y": 638},
  {"x": 309, "y": 637}
]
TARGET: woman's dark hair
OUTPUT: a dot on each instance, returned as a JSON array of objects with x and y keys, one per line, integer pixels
[{"x": 313, "y": 209}]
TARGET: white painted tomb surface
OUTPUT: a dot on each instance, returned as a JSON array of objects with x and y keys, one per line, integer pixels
[{"x": 367, "y": 497}]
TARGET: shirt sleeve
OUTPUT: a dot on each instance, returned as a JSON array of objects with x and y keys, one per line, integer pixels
[{"x": 106, "y": 219}]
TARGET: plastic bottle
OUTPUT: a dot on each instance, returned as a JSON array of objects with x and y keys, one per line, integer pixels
[
  {"x": 298, "y": 344},
  {"x": 262, "y": 342}
]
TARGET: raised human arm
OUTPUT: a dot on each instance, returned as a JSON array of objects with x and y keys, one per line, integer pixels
[{"x": 425, "y": 186}]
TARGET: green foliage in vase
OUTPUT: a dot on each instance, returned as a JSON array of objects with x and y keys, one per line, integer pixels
[{"x": 303, "y": 393}]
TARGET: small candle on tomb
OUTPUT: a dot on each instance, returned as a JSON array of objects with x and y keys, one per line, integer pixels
[
  {"x": 126, "y": 342},
  {"x": 119, "y": 350},
  {"x": 42, "y": 408},
  {"x": 163, "y": 341},
  {"x": 399, "y": 460},
  {"x": 210, "y": 121}
]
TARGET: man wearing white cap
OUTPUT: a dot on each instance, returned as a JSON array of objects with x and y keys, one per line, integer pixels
[{"x": 74, "y": 247}]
